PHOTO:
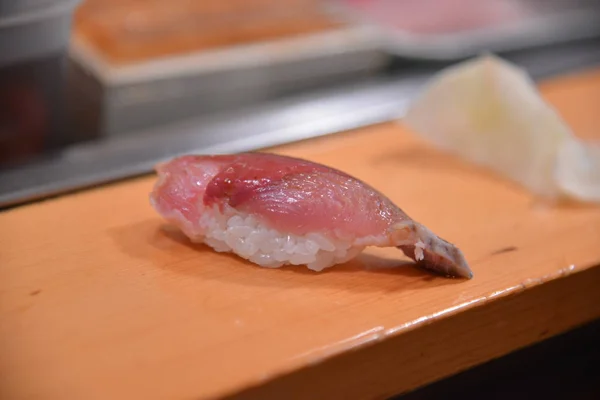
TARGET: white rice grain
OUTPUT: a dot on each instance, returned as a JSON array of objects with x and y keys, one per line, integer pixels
[{"x": 249, "y": 238}]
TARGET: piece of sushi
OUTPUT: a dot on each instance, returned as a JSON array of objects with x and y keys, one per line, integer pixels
[{"x": 275, "y": 210}]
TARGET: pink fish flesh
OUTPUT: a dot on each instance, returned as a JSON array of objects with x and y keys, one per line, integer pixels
[{"x": 276, "y": 210}]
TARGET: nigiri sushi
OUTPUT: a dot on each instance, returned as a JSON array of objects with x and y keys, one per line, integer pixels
[{"x": 276, "y": 210}]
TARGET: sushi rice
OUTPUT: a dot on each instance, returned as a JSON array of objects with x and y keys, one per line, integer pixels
[{"x": 250, "y": 238}]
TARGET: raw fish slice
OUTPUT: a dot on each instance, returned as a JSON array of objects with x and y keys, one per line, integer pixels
[{"x": 276, "y": 210}]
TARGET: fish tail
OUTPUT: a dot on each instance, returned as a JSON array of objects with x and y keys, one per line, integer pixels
[{"x": 430, "y": 251}]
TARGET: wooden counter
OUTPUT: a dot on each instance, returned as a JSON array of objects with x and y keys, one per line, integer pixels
[{"x": 99, "y": 299}]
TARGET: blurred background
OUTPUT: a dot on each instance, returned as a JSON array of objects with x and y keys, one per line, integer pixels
[{"x": 97, "y": 90}]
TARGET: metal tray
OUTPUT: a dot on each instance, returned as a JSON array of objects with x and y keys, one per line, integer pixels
[{"x": 116, "y": 100}]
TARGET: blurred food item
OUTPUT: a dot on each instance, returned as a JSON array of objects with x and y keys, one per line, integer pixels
[
  {"x": 455, "y": 29},
  {"x": 578, "y": 169},
  {"x": 439, "y": 16},
  {"x": 489, "y": 112},
  {"x": 130, "y": 31}
]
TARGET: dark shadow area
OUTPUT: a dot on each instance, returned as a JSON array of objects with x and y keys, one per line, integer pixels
[{"x": 563, "y": 367}]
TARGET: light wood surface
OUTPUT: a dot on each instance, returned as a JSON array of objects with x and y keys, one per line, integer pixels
[{"x": 99, "y": 299}]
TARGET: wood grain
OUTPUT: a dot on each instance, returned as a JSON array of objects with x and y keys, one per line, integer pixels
[{"x": 100, "y": 299}]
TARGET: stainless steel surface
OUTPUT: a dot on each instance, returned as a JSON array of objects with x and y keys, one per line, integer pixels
[
  {"x": 39, "y": 29},
  {"x": 272, "y": 123}
]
